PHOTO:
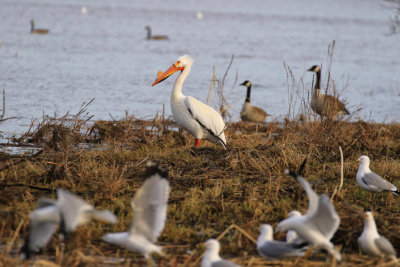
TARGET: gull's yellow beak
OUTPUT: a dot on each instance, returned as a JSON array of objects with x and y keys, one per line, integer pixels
[{"x": 162, "y": 76}]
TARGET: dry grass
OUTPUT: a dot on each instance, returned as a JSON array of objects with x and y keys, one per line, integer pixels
[{"x": 211, "y": 189}]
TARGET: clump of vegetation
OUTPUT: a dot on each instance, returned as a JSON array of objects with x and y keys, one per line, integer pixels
[{"x": 212, "y": 190}]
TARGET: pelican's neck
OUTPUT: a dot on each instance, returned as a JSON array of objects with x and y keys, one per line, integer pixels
[
  {"x": 177, "y": 91},
  {"x": 248, "y": 94}
]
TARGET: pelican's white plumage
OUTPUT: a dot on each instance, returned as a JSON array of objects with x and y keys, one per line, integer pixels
[
  {"x": 199, "y": 119},
  {"x": 150, "y": 211},
  {"x": 69, "y": 211},
  {"x": 211, "y": 257},
  {"x": 371, "y": 243},
  {"x": 370, "y": 181},
  {"x": 270, "y": 248},
  {"x": 318, "y": 225}
]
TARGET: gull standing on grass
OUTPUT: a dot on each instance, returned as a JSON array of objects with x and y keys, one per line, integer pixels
[
  {"x": 270, "y": 248},
  {"x": 69, "y": 211},
  {"x": 373, "y": 244},
  {"x": 291, "y": 236},
  {"x": 150, "y": 212},
  {"x": 212, "y": 259},
  {"x": 371, "y": 181},
  {"x": 318, "y": 225}
]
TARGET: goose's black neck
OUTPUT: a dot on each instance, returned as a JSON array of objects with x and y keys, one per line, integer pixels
[
  {"x": 148, "y": 32},
  {"x": 318, "y": 81},
  {"x": 248, "y": 94}
]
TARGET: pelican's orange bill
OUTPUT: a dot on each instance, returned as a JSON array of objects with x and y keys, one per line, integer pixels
[{"x": 162, "y": 76}]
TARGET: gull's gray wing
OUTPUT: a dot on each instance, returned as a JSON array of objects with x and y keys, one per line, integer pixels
[
  {"x": 150, "y": 205},
  {"x": 372, "y": 179},
  {"x": 224, "y": 263},
  {"x": 385, "y": 246},
  {"x": 325, "y": 219},
  {"x": 103, "y": 215},
  {"x": 280, "y": 249},
  {"x": 71, "y": 208},
  {"x": 312, "y": 196}
]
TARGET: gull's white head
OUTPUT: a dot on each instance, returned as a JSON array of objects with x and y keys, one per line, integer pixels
[
  {"x": 267, "y": 231},
  {"x": 368, "y": 215},
  {"x": 315, "y": 68},
  {"x": 212, "y": 245},
  {"x": 364, "y": 159},
  {"x": 294, "y": 213}
]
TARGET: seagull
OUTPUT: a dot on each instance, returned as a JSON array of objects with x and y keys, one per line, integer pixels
[
  {"x": 291, "y": 236},
  {"x": 370, "y": 181},
  {"x": 69, "y": 211},
  {"x": 211, "y": 257},
  {"x": 371, "y": 243},
  {"x": 270, "y": 248},
  {"x": 150, "y": 212},
  {"x": 325, "y": 105},
  {"x": 318, "y": 225},
  {"x": 199, "y": 119},
  {"x": 249, "y": 112}
]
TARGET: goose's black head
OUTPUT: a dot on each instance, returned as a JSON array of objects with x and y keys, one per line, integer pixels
[
  {"x": 246, "y": 83},
  {"x": 315, "y": 68}
]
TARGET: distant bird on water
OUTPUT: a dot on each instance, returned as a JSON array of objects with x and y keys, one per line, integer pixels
[
  {"x": 251, "y": 113},
  {"x": 193, "y": 116},
  {"x": 325, "y": 105},
  {"x": 373, "y": 244},
  {"x": 212, "y": 259},
  {"x": 154, "y": 37},
  {"x": 37, "y": 31},
  {"x": 371, "y": 181}
]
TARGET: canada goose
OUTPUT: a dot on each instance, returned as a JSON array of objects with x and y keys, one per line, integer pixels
[
  {"x": 249, "y": 112},
  {"x": 37, "y": 31},
  {"x": 325, "y": 105},
  {"x": 154, "y": 37}
]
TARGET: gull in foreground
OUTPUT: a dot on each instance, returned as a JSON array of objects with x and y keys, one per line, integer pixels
[
  {"x": 291, "y": 236},
  {"x": 150, "y": 212},
  {"x": 318, "y": 225},
  {"x": 370, "y": 181},
  {"x": 69, "y": 211},
  {"x": 270, "y": 248},
  {"x": 211, "y": 257},
  {"x": 373, "y": 244}
]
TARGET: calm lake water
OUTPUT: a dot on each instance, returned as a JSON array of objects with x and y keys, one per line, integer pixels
[{"x": 103, "y": 54}]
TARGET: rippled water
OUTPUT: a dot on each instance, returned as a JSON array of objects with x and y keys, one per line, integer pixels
[{"x": 104, "y": 54}]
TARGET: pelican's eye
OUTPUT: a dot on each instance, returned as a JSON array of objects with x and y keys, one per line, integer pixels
[{"x": 177, "y": 63}]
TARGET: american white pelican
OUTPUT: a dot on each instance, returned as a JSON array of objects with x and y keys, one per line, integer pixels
[
  {"x": 37, "y": 31},
  {"x": 371, "y": 242},
  {"x": 150, "y": 213},
  {"x": 270, "y": 248},
  {"x": 370, "y": 181},
  {"x": 154, "y": 37},
  {"x": 249, "y": 112},
  {"x": 199, "y": 119},
  {"x": 325, "y": 105},
  {"x": 212, "y": 259},
  {"x": 69, "y": 211}
]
